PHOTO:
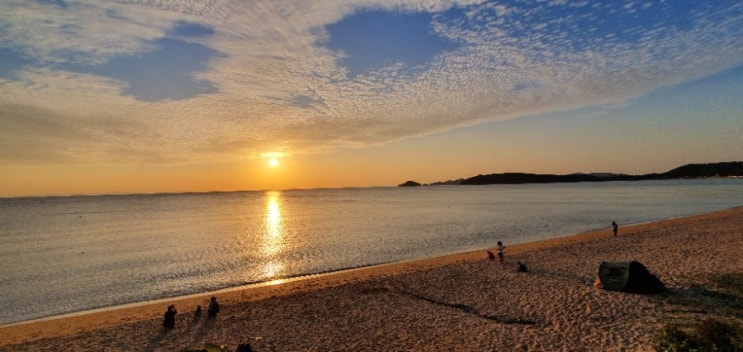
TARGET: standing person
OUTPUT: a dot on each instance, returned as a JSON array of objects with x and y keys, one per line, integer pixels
[
  {"x": 501, "y": 249},
  {"x": 169, "y": 318},
  {"x": 213, "y": 309},
  {"x": 615, "y": 227}
]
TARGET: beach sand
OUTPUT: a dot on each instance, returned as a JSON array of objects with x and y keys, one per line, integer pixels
[{"x": 461, "y": 302}]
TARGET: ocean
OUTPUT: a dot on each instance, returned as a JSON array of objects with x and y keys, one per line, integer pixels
[{"x": 63, "y": 255}]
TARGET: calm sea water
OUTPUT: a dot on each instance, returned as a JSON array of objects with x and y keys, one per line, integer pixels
[{"x": 70, "y": 254}]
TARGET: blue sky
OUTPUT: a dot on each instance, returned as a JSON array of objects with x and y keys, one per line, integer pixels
[{"x": 415, "y": 90}]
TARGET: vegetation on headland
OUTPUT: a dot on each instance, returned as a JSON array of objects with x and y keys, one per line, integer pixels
[{"x": 724, "y": 169}]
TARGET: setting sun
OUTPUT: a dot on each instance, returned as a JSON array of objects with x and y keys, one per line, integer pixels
[{"x": 272, "y": 158}]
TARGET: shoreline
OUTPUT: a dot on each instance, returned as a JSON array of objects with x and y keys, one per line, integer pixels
[
  {"x": 518, "y": 247},
  {"x": 148, "y": 314},
  {"x": 284, "y": 281},
  {"x": 319, "y": 276}
]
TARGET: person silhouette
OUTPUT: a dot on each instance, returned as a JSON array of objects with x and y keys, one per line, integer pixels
[
  {"x": 213, "y": 308},
  {"x": 615, "y": 227},
  {"x": 169, "y": 317}
]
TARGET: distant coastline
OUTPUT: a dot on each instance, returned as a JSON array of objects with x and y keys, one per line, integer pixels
[{"x": 723, "y": 169}]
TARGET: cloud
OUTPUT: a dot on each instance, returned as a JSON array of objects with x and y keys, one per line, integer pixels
[
  {"x": 175, "y": 80},
  {"x": 29, "y": 134}
]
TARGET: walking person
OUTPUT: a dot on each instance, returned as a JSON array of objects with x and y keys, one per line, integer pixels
[
  {"x": 501, "y": 249},
  {"x": 615, "y": 227}
]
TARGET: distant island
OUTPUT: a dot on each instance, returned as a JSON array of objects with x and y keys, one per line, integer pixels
[{"x": 724, "y": 169}]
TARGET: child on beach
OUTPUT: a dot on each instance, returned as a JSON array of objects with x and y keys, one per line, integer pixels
[
  {"x": 615, "y": 227},
  {"x": 501, "y": 249}
]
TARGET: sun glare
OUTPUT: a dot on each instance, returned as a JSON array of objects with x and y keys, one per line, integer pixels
[{"x": 272, "y": 158}]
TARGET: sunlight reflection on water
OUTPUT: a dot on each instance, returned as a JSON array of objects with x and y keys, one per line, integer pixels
[
  {"x": 67, "y": 254},
  {"x": 273, "y": 241}
]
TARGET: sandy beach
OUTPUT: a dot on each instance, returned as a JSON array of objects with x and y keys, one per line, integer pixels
[{"x": 461, "y": 302}]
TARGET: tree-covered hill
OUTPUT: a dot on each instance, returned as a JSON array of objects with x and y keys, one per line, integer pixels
[{"x": 723, "y": 169}]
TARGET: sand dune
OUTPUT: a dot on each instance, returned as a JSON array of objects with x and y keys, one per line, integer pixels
[{"x": 461, "y": 302}]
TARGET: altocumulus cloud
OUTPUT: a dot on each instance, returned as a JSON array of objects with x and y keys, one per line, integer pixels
[{"x": 176, "y": 80}]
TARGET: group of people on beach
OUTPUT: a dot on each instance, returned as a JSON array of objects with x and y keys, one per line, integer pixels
[
  {"x": 501, "y": 249},
  {"x": 211, "y": 311},
  {"x": 521, "y": 267},
  {"x": 213, "y": 308}
]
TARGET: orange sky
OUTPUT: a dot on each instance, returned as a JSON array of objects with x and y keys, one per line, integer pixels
[{"x": 174, "y": 96}]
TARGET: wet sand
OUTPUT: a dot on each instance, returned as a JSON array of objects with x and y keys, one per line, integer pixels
[{"x": 461, "y": 302}]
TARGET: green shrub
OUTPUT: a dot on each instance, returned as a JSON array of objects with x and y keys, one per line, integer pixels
[
  {"x": 710, "y": 335},
  {"x": 673, "y": 339}
]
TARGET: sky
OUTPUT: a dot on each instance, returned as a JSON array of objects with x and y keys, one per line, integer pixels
[{"x": 112, "y": 97}]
